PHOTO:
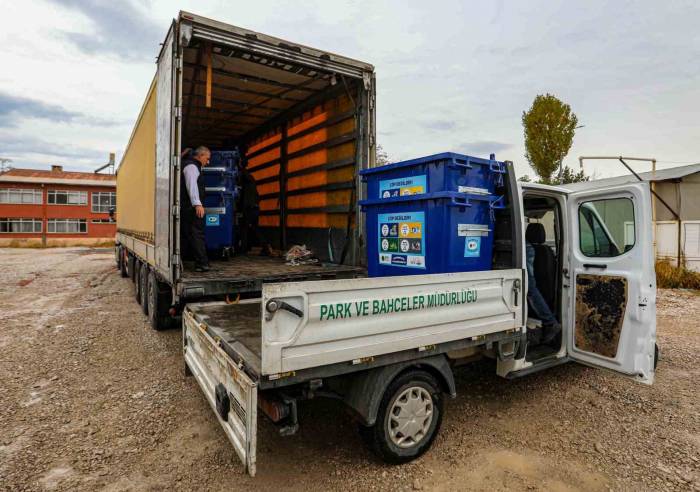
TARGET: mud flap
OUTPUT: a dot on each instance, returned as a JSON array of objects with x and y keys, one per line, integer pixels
[{"x": 231, "y": 393}]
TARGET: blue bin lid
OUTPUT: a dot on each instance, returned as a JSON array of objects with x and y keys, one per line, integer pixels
[
  {"x": 461, "y": 199},
  {"x": 429, "y": 159}
]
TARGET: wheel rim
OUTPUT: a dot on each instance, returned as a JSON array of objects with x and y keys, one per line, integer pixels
[{"x": 410, "y": 417}]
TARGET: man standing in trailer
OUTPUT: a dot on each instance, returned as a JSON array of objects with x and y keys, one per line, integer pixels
[{"x": 191, "y": 208}]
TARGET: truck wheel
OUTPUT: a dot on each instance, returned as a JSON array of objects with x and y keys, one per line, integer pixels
[
  {"x": 122, "y": 264},
  {"x": 118, "y": 256},
  {"x": 143, "y": 287},
  {"x": 137, "y": 282},
  {"x": 408, "y": 419},
  {"x": 158, "y": 303}
]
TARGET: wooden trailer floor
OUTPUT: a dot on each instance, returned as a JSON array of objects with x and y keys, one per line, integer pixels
[{"x": 248, "y": 273}]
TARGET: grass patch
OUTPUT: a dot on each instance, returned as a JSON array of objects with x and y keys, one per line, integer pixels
[{"x": 672, "y": 277}]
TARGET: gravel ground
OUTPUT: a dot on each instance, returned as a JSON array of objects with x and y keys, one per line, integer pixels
[{"x": 92, "y": 398}]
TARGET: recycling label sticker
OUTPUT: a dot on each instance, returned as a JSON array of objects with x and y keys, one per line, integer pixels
[
  {"x": 402, "y": 239},
  {"x": 212, "y": 220},
  {"x": 412, "y": 185},
  {"x": 472, "y": 246}
]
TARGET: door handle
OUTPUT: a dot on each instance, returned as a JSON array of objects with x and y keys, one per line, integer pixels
[{"x": 595, "y": 265}]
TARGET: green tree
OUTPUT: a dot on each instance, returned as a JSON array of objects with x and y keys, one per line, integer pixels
[
  {"x": 382, "y": 157},
  {"x": 549, "y": 127},
  {"x": 569, "y": 176}
]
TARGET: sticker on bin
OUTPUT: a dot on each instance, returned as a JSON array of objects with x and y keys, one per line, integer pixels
[
  {"x": 212, "y": 220},
  {"x": 412, "y": 185},
  {"x": 472, "y": 246},
  {"x": 473, "y": 230},
  {"x": 473, "y": 190},
  {"x": 402, "y": 239}
]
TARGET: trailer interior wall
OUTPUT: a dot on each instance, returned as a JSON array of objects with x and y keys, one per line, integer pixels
[
  {"x": 299, "y": 128},
  {"x": 136, "y": 175}
]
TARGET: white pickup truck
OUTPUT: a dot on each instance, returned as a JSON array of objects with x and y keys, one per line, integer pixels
[{"x": 386, "y": 346}]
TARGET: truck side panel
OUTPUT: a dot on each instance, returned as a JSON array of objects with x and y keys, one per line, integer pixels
[
  {"x": 310, "y": 324},
  {"x": 136, "y": 175}
]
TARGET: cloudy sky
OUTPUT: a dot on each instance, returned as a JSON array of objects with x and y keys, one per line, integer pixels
[{"x": 451, "y": 75}]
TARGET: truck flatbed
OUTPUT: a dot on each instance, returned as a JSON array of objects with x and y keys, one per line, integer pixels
[{"x": 246, "y": 273}]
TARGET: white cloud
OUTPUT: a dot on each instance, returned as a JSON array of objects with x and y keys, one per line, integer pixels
[{"x": 451, "y": 75}]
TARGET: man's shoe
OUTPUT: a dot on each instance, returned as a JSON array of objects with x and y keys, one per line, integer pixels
[
  {"x": 551, "y": 332},
  {"x": 202, "y": 268}
]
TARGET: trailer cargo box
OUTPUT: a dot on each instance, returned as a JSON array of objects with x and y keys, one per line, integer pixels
[{"x": 305, "y": 120}]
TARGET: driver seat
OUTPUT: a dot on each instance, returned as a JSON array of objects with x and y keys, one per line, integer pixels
[{"x": 545, "y": 265}]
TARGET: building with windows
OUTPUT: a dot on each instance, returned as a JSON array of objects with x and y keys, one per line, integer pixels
[{"x": 56, "y": 207}]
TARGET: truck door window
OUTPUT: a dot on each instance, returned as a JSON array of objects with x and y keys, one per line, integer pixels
[{"x": 606, "y": 227}]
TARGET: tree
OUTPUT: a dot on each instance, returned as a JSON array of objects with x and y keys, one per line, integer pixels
[
  {"x": 569, "y": 176},
  {"x": 382, "y": 157},
  {"x": 549, "y": 132}
]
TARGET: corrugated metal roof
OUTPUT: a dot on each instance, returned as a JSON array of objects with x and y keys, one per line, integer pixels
[{"x": 660, "y": 175}]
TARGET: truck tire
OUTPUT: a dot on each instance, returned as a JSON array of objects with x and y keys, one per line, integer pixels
[
  {"x": 409, "y": 418},
  {"x": 137, "y": 282},
  {"x": 118, "y": 256},
  {"x": 122, "y": 264},
  {"x": 158, "y": 303},
  {"x": 143, "y": 287}
]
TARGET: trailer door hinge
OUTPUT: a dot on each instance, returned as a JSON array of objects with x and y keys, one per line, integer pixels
[
  {"x": 176, "y": 260},
  {"x": 516, "y": 292},
  {"x": 176, "y": 211},
  {"x": 178, "y": 63},
  {"x": 178, "y": 112},
  {"x": 367, "y": 80}
]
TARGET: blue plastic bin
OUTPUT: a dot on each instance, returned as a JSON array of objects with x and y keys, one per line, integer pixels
[
  {"x": 224, "y": 158},
  {"x": 429, "y": 233},
  {"x": 219, "y": 221},
  {"x": 435, "y": 173}
]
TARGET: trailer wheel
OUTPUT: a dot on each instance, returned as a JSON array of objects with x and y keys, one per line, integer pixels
[
  {"x": 408, "y": 419},
  {"x": 143, "y": 287},
  {"x": 131, "y": 267},
  {"x": 137, "y": 281},
  {"x": 118, "y": 256},
  {"x": 122, "y": 263},
  {"x": 158, "y": 303}
]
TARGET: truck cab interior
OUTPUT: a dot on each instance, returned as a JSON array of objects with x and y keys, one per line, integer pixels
[
  {"x": 301, "y": 132},
  {"x": 544, "y": 233}
]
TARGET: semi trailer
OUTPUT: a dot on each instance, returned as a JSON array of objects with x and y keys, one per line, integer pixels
[{"x": 260, "y": 335}]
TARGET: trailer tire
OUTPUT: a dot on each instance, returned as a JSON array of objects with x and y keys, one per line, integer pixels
[
  {"x": 131, "y": 267},
  {"x": 414, "y": 398},
  {"x": 158, "y": 303},
  {"x": 137, "y": 283},
  {"x": 118, "y": 256},
  {"x": 122, "y": 263},
  {"x": 143, "y": 287}
]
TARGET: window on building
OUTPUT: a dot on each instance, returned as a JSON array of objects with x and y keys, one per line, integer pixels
[
  {"x": 62, "y": 197},
  {"x": 103, "y": 221},
  {"x": 103, "y": 201},
  {"x": 20, "y": 196},
  {"x": 14, "y": 225},
  {"x": 67, "y": 226},
  {"x": 606, "y": 227}
]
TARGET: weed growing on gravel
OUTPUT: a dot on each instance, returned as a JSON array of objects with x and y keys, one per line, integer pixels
[{"x": 673, "y": 277}]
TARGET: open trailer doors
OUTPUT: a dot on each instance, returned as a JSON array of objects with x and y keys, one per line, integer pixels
[
  {"x": 613, "y": 322},
  {"x": 167, "y": 155}
]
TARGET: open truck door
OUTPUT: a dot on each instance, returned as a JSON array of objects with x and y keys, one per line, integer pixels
[{"x": 613, "y": 313}]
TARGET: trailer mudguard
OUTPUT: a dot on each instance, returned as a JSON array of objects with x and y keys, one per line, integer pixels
[{"x": 367, "y": 388}]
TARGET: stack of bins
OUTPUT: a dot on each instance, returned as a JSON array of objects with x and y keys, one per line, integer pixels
[
  {"x": 220, "y": 178},
  {"x": 434, "y": 214}
]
